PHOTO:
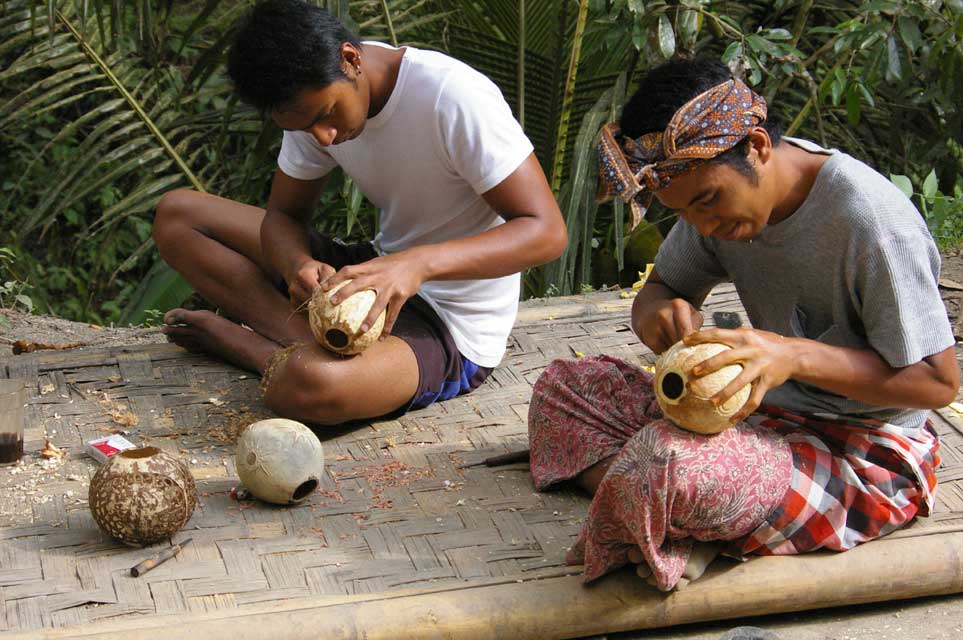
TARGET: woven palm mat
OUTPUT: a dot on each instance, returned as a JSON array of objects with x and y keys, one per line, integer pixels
[{"x": 394, "y": 510}]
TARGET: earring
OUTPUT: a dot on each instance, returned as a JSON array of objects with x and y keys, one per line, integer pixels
[{"x": 357, "y": 69}]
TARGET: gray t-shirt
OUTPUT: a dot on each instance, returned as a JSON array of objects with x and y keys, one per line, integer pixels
[{"x": 854, "y": 266}]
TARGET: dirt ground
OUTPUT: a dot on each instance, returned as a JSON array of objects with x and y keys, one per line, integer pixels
[{"x": 939, "y": 618}]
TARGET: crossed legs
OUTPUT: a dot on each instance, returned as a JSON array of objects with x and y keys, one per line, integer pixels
[
  {"x": 661, "y": 496},
  {"x": 214, "y": 243},
  {"x": 702, "y": 555}
]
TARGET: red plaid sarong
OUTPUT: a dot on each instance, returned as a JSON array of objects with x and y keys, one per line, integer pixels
[
  {"x": 848, "y": 481},
  {"x": 852, "y": 481}
]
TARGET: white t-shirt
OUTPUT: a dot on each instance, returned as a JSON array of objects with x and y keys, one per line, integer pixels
[{"x": 445, "y": 136}]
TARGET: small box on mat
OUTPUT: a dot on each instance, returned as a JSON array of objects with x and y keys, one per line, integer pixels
[{"x": 102, "y": 449}]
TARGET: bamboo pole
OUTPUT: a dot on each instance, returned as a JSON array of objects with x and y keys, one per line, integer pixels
[
  {"x": 388, "y": 21},
  {"x": 910, "y": 566}
]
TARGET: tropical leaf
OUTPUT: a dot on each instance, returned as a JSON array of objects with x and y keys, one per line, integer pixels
[
  {"x": 160, "y": 290},
  {"x": 105, "y": 138}
]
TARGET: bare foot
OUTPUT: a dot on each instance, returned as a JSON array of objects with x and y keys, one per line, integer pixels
[
  {"x": 641, "y": 567},
  {"x": 205, "y": 332},
  {"x": 703, "y": 553}
]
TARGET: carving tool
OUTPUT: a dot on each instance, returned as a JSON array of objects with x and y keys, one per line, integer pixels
[
  {"x": 165, "y": 555},
  {"x": 495, "y": 461},
  {"x": 726, "y": 319}
]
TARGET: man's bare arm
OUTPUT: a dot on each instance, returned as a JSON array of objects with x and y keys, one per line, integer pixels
[
  {"x": 534, "y": 232},
  {"x": 284, "y": 233}
]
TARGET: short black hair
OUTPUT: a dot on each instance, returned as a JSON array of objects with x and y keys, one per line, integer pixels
[
  {"x": 665, "y": 88},
  {"x": 282, "y": 47}
]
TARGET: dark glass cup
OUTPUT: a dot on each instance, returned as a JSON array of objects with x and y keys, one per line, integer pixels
[{"x": 13, "y": 397}]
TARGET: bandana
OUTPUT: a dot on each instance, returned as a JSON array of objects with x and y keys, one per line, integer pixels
[{"x": 706, "y": 126}]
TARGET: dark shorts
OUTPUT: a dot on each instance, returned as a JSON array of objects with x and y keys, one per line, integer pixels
[{"x": 443, "y": 372}]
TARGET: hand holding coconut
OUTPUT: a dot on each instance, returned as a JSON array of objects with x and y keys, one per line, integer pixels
[
  {"x": 305, "y": 279},
  {"x": 662, "y": 319},
  {"x": 392, "y": 278},
  {"x": 767, "y": 360},
  {"x": 685, "y": 398},
  {"x": 337, "y": 327}
]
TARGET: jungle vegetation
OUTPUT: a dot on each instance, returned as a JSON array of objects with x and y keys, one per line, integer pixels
[{"x": 107, "y": 104}]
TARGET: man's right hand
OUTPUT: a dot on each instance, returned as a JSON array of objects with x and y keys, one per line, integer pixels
[
  {"x": 667, "y": 321},
  {"x": 305, "y": 278},
  {"x": 661, "y": 317}
]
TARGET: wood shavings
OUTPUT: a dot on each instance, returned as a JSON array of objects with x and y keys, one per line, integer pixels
[
  {"x": 393, "y": 474},
  {"x": 25, "y": 346},
  {"x": 52, "y": 451},
  {"x": 120, "y": 414},
  {"x": 946, "y": 283},
  {"x": 274, "y": 363},
  {"x": 123, "y": 417},
  {"x": 226, "y": 427}
]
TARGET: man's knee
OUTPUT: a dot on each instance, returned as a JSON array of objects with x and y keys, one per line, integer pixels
[
  {"x": 662, "y": 439},
  {"x": 306, "y": 389},
  {"x": 172, "y": 217}
]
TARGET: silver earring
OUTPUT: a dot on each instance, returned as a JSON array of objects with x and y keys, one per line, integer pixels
[{"x": 357, "y": 69}]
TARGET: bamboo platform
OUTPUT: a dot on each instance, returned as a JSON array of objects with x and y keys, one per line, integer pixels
[{"x": 399, "y": 542}]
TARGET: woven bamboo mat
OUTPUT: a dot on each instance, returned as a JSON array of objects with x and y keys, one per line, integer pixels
[{"x": 394, "y": 511}]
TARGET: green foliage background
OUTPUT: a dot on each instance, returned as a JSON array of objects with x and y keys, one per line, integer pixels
[{"x": 107, "y": 104}]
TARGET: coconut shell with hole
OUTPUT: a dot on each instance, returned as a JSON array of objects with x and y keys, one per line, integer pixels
[
  {"x": 279, "y": 460},
  {"x": 684, "y": 399},
  {"x": 142, "y": 496},
  {"x": 336, "y": 326}
]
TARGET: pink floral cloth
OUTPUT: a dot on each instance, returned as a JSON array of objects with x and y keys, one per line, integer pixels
[{"x": 665, "y": 487}]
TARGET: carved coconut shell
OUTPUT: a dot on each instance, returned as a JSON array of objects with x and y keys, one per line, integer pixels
[
  {"x": 336, "y": 326},
  {"x": 142, "y": 496},
  {"x": 279, "y": 460},
  {"x": 684, "y": 399}
]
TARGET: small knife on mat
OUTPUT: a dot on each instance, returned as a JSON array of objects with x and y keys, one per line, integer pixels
[{"x": 496, "y": 461}]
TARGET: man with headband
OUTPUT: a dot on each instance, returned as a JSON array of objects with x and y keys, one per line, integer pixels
[{"x": 850, "y": 345}]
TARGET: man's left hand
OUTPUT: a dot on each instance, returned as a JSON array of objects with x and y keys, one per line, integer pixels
[
  {"x": 394, "y": 278},
  {"x": 767, "y": 359}
]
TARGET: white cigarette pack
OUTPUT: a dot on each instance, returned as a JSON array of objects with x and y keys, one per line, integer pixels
[{"x": 103, "y": 449}]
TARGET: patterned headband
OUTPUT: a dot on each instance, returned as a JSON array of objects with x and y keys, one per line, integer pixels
[{"x": 706, "y": 126}]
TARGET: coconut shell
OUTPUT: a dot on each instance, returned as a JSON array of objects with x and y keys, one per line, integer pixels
[
  {"x": 279, "y": 460},
  {"x": 142, "y": 496},
  {"x": 336, "y": 327},
  {"x": 684, "y": 399}
]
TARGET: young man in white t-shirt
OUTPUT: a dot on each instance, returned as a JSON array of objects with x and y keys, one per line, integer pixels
[{"x": 464, "y": 208}]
